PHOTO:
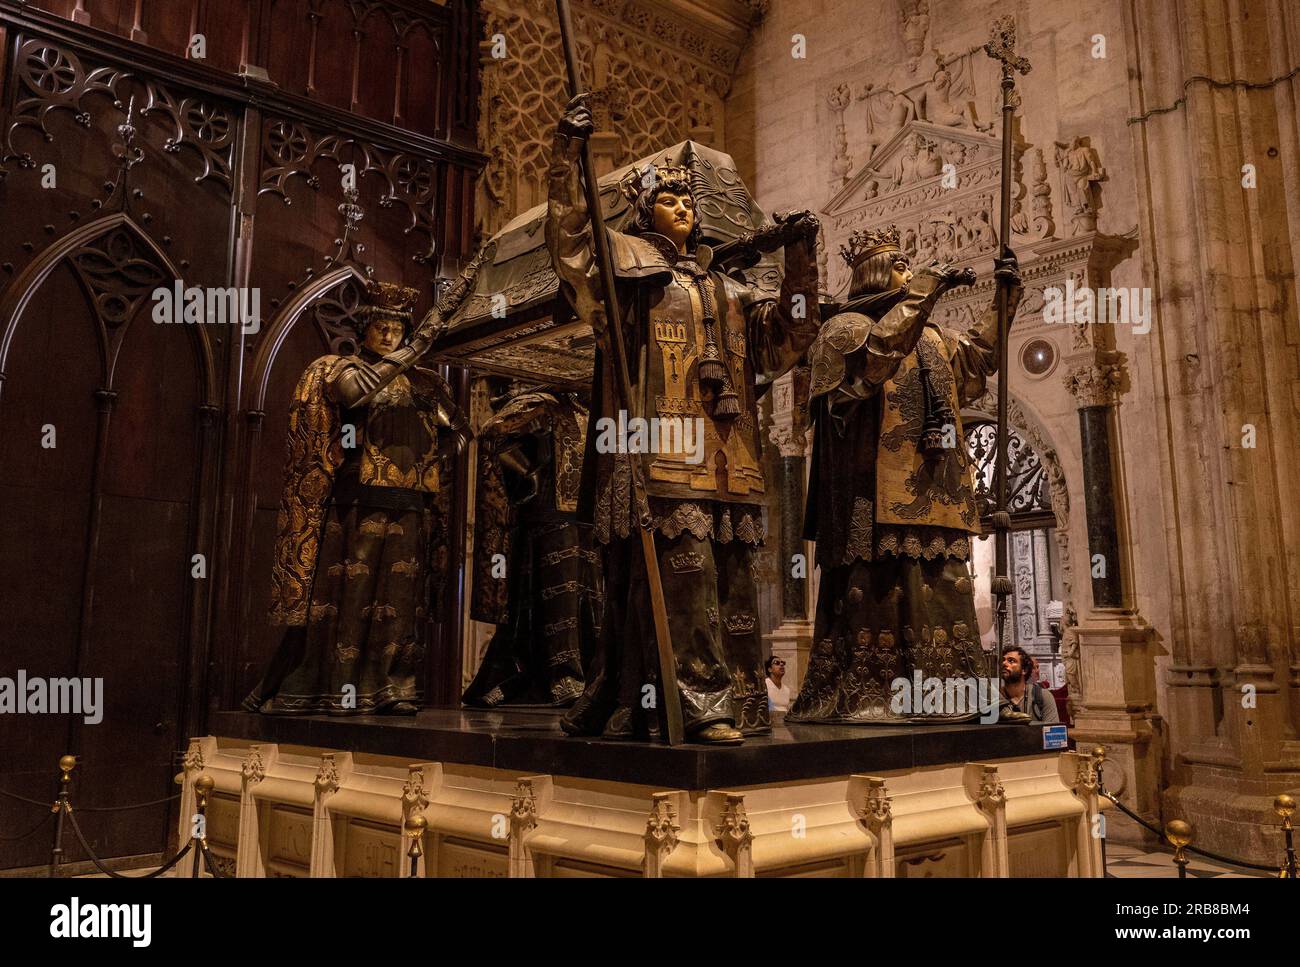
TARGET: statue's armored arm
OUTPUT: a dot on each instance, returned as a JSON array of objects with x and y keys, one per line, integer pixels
[
  {"x": 896, "y": 333},
  {"x": 974, "y": 353},
  {"x": 356, "y": 384},
  {"x": 781, "y": 329},
  {"x": 568, "y": 223}
]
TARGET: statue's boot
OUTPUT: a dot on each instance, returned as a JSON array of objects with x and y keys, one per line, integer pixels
[
  {"x": 620, "y": 725},
  {"x": 718, "y": 733},
  {"x": 589, "y": 713},
  {"x": 565, "y": 691}
]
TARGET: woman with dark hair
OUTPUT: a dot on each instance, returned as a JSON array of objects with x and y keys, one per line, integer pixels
[{"x": 778, "y": 694}]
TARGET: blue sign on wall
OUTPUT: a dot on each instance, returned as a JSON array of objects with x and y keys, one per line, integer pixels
[{"x": 1054, "y": 737}]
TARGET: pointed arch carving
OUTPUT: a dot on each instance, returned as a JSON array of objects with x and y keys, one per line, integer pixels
[
  {"x": 333, "y": 319},
  {"x": 127, "y": 255}
]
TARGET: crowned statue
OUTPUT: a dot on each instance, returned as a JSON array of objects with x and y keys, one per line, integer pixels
[
  {"x": 361, "y": 543},
  {"x": 891, "y": 501},
  {"x": 702, "y": 343}
]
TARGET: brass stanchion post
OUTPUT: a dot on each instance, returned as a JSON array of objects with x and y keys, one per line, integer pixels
[
  {"x": 415, "y": 828},
  {"x": 1284, "y": 806},
  {"x": 1099, "y": 754},
  {"x": 1180, "y": 835},
  {"x": 60, "y": 808},
  {"x": 203, "y": 786}
]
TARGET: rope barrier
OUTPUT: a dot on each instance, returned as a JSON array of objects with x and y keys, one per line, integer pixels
[
  {"x": 93, "y": 809},
  {"x": 138, "y": 805},
  {"x": 13, "y": 839},
  {"x": 207, "y": 859},
  {"x": 1191, "y": 849},
  {"x": 34, "y": 802},
  {"x": 76, "y": 828}
]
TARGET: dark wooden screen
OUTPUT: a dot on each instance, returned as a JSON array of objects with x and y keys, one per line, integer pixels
[{"x": 127, "y": 163}]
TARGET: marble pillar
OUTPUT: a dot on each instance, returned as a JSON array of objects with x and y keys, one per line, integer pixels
[{"x": 1114, "y": 646}]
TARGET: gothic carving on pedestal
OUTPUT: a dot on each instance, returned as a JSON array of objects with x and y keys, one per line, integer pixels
[
  {"x": 253, "y": 769},
  {"x": 532, "y": 793},
  {"x": 733, "y": 834},
  {"x": 992, "y": 800},
  {"x": 661, "y": 833},
  {"x": 877, "y": 815}
]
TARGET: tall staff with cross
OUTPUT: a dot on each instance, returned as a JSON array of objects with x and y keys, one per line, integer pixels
[{"x": 1002, "y": 48}]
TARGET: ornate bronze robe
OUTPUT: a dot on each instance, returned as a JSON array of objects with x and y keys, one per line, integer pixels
[
  {"x": 360, "y": 548},
  {"x": 706, "y": 513},
  {"x": 548, "y": 604},
  {"x": 892, "y": 519}
]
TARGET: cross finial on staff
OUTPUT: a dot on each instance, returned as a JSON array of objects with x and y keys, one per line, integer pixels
[{"x": 1002, "y": 46}]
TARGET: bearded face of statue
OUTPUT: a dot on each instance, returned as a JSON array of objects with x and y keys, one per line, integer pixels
[{"x": 674, "y": 217}]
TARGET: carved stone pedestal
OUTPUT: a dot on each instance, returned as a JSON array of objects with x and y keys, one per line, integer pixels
[
  {"x": 970, "y": 801},
  {"x": 1117, "y": 711}
]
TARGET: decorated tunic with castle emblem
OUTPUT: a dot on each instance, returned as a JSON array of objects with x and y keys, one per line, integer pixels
[{"x": 702, "y": 473}]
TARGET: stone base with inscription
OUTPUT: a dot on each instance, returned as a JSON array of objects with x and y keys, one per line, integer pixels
[{"x": 506, "y": 794}]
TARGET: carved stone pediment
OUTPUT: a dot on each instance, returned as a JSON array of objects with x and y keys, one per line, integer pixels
[
  {"x": 938, "y": 184},
  {"x": 909, "y": 166}
]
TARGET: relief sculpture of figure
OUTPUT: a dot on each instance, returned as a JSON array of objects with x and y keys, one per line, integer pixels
[
  {"x": 361, "y": 545},
  {"x": 891, "y": 500},
  {"x": 1082, "y": 173},
  {"x": 700, "y": 343},
  {"x": 536, "y": 570}
]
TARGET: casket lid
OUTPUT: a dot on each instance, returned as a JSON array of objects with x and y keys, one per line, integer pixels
[{"x": 537, "y": 336}]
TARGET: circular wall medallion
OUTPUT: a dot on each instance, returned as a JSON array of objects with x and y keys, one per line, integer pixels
[{"x": 1038, "y": 357}]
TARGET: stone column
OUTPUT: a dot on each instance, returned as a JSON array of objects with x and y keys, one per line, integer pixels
[
  {"x": 1213, "y": 108},
  {"x": 792, "y": 640},
  {"x": 1115, "y": 646}
]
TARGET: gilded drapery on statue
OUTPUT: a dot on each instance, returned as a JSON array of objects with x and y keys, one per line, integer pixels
[
  {"x": 703, "y": 342},
  {"x": 361, "y": 547},
  {"x": 891, "y": 500},
  {"x": 537, "y": 572}
]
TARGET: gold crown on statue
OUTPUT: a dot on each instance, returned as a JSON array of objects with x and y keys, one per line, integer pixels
[
  {"x": 863, "y": 245},
  {"x": 391, "y": 299},
  {"x": 643, "y": 177}
]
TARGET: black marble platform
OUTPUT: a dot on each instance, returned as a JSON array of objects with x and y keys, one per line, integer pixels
[{"x": 529, "y": 741}]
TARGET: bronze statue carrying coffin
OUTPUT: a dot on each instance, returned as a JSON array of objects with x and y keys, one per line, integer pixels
[{"x": 537, "y": 572}]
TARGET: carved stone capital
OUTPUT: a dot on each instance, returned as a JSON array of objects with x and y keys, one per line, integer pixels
[
  {"x": 991, "y": 794},
  {"x": 734, "y": 835},
  {"x": 1094, "y": 384},
  {"x": 1086, "y": 772},
  {"x": 879, "y": 810},
  {"x": 523, "y": 807},
  {"x": 661, "y": 827},
  {"x": 193, "y": 757},
  {"x": 254, "y": 768},
  {"x": 327, "y": 775},
  {"x": 414, "y": 797}
]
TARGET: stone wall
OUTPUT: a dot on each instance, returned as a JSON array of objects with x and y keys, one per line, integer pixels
[{"x": 859, "y": 128}]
